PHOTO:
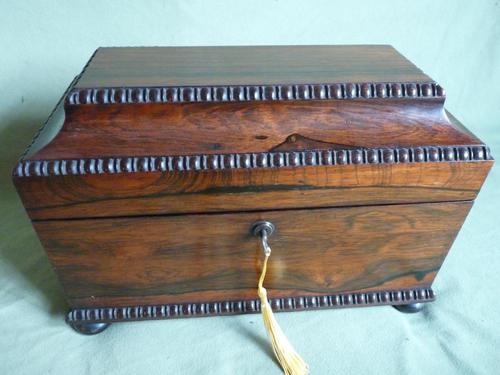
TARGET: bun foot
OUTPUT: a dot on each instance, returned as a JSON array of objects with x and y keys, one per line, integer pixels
[
  {"x": 89, "y": 328},
  {"x": 410, "y": 308}
]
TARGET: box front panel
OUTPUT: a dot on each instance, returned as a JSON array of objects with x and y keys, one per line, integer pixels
[
  {"x": 214, "y": 257},
  {"x": 250, "y": 189}
]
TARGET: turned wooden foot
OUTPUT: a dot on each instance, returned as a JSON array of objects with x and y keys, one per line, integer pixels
[
  {"x": 410, "y": 308},
  {"x": 88, "y": 328}
]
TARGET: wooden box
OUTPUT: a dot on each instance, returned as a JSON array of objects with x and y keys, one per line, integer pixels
[{"x": 145, "y": 182}]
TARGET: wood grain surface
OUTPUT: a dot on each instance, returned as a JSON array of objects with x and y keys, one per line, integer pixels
[
  {"x": 128, "y": 313},
  {"x": 143, "y": 184},
  {"x": 189, "y": 258},
  {"x": 256, "y": 65},
  {"x": 153, "y": 193},
  {"x": 210, "y": 128}
]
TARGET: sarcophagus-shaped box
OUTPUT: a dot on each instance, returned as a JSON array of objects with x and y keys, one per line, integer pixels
[{"x": 145, "y": 182}]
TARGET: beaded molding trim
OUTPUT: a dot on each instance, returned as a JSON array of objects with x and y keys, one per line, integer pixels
[
  {"x": 130, "y": 95},
  {"x": 117, "y": 314},
  {"x": 28, "y": 168}
]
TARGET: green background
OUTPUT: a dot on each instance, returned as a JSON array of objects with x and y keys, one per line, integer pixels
[{"x": 44, "y": 44}]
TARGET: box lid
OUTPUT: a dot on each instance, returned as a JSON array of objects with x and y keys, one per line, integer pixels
[{"x": 212, "y": 129}]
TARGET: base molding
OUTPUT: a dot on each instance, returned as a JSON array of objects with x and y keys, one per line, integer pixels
[{"x": 198, "y": 309}]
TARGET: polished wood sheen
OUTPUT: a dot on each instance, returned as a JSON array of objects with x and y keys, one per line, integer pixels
[
  {"x": 258, "y": 65},
  {"x": 189, "y": 258},
  {"x": 122, "y": 194},
  {"x": 248, "y": 127},
  {"x": 144, "y": 182},
  {"x": 135, "y": 101}
]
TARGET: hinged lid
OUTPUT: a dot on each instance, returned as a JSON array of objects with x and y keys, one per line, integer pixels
[{"x": 211, "y": 129}]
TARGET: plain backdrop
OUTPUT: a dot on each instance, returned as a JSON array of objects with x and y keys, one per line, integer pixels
[{"x": 44, "y": 44}]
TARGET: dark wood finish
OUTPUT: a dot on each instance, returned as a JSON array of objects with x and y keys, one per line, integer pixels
[
  {"x": 245, "y": 189},
  {"x": 304, "y": 93},
  {"x": 149, "y": 129},
  {"x": 145, "y": 180},
  {"x": 87, "y": 328},
  {"x": 256, "y": 65},
  {"x": 207, "y": 94},
  {"x": 398, "y": 298},
  {"x": 189, "y": 258}
]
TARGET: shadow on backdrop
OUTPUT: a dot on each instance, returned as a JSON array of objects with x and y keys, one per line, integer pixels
[{"x": 20, "y": 248}]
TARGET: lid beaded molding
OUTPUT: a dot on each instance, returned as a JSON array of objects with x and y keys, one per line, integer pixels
[
  {"x": 421, "y": 154},
  {"x": 367, "y": 90}
]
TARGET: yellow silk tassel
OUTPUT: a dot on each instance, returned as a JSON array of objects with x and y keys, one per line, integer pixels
[{"x": 286, "y": 355}]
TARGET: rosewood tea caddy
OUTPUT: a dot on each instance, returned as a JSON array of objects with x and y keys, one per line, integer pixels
[{"x": 146, "y": 181}]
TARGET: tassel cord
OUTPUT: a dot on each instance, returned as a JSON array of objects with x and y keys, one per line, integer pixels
[{"x": 288, "y": 358}]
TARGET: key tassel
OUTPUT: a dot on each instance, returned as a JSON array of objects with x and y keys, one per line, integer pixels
[{"x": 288, "y": 358}]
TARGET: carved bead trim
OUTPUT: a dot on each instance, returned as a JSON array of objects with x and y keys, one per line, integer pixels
[
  {"x": 28, "y": 168},
  {"x": 116, "y": 314},
  {"x": 130, "y": 95}
]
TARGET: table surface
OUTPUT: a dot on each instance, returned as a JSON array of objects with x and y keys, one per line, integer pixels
[{"x": 45, "y": 44}]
